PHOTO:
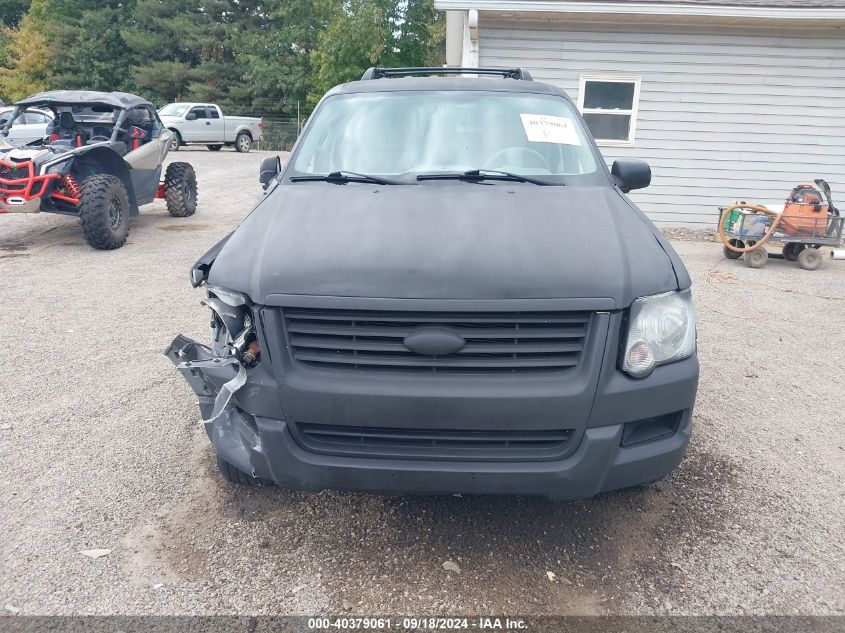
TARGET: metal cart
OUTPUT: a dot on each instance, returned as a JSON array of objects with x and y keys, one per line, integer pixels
[{"x": 800, "y": 237}]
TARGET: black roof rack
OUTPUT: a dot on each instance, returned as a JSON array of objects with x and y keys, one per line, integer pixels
[{"x": 507, "y": 73}]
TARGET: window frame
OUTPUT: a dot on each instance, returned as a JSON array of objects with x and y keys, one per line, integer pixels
[
  {"x": 35, "y": 114},
  {"x": 202, "y": 109},
  {"x": 632, "y": 113}
]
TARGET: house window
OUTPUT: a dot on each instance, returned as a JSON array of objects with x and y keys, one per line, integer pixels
[{"x": 609, "y": 106}]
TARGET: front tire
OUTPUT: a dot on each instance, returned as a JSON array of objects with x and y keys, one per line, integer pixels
[
  {"x": 180, "y": 190},
  {"x": 243, "y": 142},
  {"x": 104, "y": 212},
  {"x": 235, "y": 476}
]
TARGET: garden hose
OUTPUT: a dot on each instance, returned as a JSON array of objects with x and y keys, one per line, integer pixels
[{"x": 777, "y": 215}]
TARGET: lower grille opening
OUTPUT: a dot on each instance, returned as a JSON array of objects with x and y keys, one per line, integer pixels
[{"x": 433, "y": 444}]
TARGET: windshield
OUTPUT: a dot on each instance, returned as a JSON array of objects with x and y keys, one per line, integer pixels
[
  {"x": 400, "y": 134},
  {"x": 94, "y": 114},
  {"x": 173, "y": 109}
]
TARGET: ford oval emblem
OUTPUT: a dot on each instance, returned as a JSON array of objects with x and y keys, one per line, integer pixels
[{"x": 434, "y": 341}]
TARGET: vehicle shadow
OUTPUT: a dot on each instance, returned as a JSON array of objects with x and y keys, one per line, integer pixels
[{"x": 381, "y": 554}]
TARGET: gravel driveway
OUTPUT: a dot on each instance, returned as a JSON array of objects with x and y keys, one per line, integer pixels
[{"x": 100, "y": 448}]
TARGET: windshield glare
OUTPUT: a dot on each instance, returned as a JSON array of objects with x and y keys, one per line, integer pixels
[
  {"x": 401, "y": 133},
  {"x": 173, "y": 109}
]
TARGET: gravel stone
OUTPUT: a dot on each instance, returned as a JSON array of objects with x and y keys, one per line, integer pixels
[{"x": 685, "y": 234}]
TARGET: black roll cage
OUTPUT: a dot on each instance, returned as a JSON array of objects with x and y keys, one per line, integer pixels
[{"x": 51, "y": 105}]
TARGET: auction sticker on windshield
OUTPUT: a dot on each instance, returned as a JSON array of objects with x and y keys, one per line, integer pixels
[{"x": 544, "y": 128}]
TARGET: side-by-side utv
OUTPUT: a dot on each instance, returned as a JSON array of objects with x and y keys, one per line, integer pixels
[{"x": 101, "y": 160}]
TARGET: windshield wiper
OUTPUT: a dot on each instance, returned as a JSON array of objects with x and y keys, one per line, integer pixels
[
  {"x": 343, "y": 176},
  {"x": 475, "y": 175}
]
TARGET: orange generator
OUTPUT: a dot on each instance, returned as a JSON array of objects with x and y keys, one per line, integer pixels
[{"x": 805, "y": 212}]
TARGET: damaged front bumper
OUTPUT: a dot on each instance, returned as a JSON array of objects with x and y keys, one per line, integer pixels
[
  {"x": 243, "y": 417},
  {"x": 216, "y": 380}
]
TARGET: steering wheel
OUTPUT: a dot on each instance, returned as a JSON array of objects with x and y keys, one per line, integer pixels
[
  {"x": 99, "y": 137},
  {"x": 533, "y": 156}
]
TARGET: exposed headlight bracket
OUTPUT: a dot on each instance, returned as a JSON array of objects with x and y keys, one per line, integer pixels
[{"x": 235, "y": 319}]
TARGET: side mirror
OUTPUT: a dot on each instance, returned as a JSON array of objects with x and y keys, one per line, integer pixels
[
  {"x": 629, "y": 174},
  {"x": 191, "y": 116},
  {"x": 270, "y": 168}
]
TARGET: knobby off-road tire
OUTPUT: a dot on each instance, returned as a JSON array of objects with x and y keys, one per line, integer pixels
[
  {"x": 104, "y": 211},
  {"x": 180, "y": 190},
  {"x": 243, "y": 142},
  {"x": 235, "y": 476}
]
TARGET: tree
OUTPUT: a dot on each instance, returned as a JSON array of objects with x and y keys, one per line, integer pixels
[
  {"x": 93, "y": 54},
  {"x": 357, "y": 36},
  {"x": 26, "y": 56},
  {"x": 184, "y": 49},
  {"x": 276, "y": 55},
  {"x": 70, "y": 44},
  {"x": 166, "y": 39},
  {"x": 11, "y": 11},
  {"x": 252, "y": 55},
  {"x": 363, "y": 33}
]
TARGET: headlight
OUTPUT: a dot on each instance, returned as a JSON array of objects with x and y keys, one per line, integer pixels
[
  {"x": 59, "y": 167},
  {"x": 661, "y": 329}
]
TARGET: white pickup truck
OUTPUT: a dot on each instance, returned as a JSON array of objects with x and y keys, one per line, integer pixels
[{"x": 204, "y": 123}]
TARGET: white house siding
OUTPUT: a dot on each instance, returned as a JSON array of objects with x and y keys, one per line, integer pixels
[{"x": 724, "y": 115}]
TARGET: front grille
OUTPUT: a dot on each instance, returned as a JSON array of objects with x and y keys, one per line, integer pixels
[
  {"x": 14, "y": 173},
  {"x": 495, "y": 342},
  {"x": 433, "y": 444}
]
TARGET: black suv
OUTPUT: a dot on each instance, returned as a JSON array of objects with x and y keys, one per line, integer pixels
[{"x": 445, "y": 290}]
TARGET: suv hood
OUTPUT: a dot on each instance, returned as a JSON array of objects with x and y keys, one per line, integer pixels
[{"x": 446, "y": 241}]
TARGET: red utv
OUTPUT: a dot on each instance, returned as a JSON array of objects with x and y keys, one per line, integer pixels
[{"x": 101, "y": 160}]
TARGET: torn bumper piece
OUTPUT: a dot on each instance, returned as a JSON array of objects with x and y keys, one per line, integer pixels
[{"x": 216, "y": 380}]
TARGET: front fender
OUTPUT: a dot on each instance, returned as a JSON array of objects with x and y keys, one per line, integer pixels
[{"x": 202, "y": 267}]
